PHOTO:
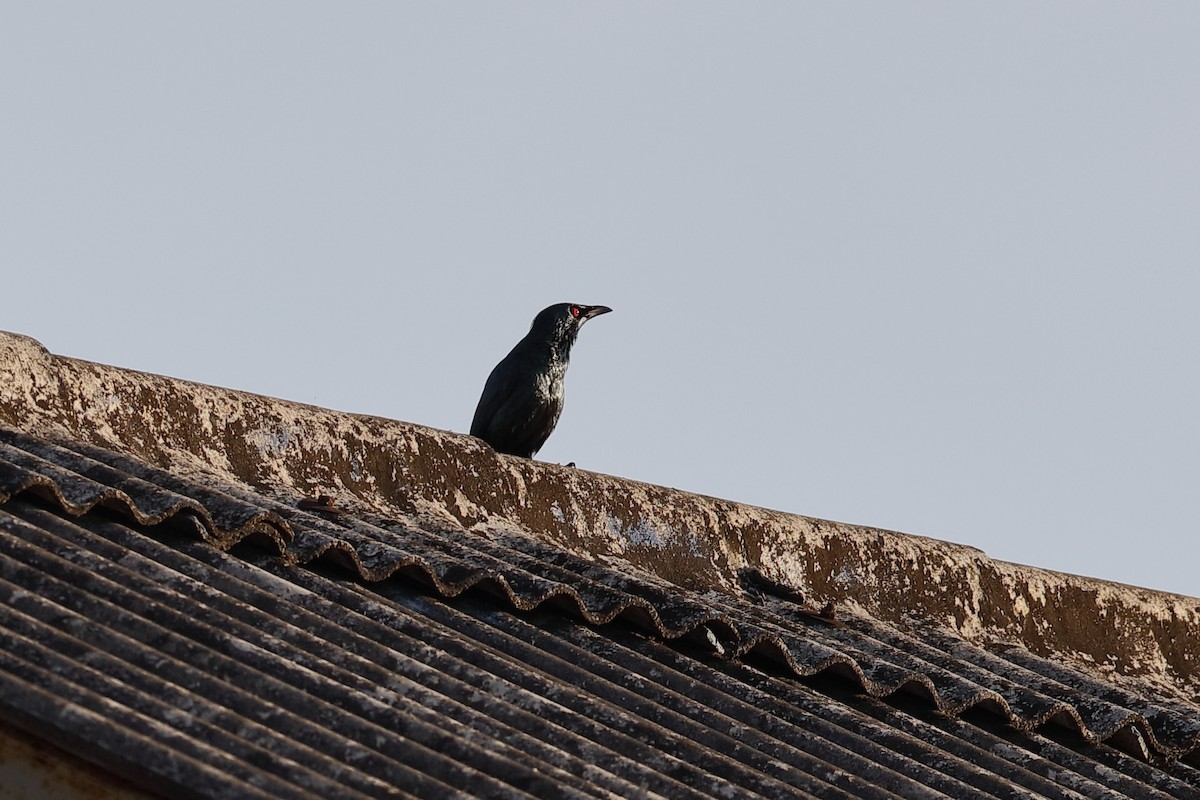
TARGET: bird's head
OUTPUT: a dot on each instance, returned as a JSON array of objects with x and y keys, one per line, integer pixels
[{"x": 560, "y": 323}]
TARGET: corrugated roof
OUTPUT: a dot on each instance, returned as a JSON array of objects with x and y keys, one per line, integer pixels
[
  {"x": 207, "y": 640},
  {"x": 445, "y": 482}
]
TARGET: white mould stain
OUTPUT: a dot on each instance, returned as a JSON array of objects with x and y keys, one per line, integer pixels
[
  {"x": 846, "y": 577},
  {"x": 614, "y": 534},
  {"x": 644, "y": 535},
  {"x": 648, "y": 534},
  {"x": 272, "y": 441},
  {"x": 178, "y": 718},
  {"x": 385, "y": 695},
  {"x": 105, "y": 401}
]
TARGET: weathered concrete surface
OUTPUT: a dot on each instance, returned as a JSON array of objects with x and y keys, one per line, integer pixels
[{"x": 291, "y": 450}]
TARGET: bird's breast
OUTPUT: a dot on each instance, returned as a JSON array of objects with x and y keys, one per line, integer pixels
[{"x": 549, "y": 383}]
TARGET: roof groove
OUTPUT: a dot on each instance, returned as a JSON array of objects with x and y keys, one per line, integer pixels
[
  {"x": 1072, "y": 785},
  {"x": 538, "y": 678},
  {"x": 911, "y": 756},
  {"x": 667, "y": 706},
  {"x": 33, "y": 665},
  {"x": 967, "y": 741},
  {"x": 108, "y": 527},
  {"x": 285, "y": 689},
  {"x": 102, "y": 737},
  {"x": 843, "y": 744},
  {"x": 620, "y": 663},
  {"x": 395, "y": 632},
  {"x": 299, "y": 638},
  {"x": 1091, "y": 777},
  {"x": 1176, "y": 779},
  {"x": 98, "y": 674}
]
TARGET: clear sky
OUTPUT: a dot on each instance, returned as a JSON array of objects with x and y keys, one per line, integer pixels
[{"x": 932, "y": 267}]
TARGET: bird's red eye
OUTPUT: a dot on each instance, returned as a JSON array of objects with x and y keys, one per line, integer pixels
[{"x": 574, "y": 311}]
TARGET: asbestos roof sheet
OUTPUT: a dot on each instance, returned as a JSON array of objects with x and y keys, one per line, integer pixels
[{"x": 207, "y": 640}]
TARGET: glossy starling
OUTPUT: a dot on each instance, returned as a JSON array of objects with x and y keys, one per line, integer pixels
[{"x": 524, "y": 394}]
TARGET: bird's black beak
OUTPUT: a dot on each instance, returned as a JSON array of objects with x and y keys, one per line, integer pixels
[{"x": 587, "y": 312}]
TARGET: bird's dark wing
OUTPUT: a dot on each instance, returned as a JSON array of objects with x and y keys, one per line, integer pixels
[
  {"x": 500, "y": 386},
  {"x": 521, "y": 424},
  {"x": 511, "y": 416},
  {"x": 540, "y": 421}
]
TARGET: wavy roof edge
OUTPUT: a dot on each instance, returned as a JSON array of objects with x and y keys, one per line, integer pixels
[{"x": 285, "y": 449}]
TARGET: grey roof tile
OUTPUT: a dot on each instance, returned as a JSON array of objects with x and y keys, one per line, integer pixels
[{"x": 361, "y": 656}]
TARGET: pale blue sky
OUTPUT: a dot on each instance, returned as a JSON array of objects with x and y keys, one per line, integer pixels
[{"x": 932, "y": 267}]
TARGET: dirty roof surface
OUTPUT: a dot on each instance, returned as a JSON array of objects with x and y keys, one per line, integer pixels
[
  {"x": 205, "y": 639},
  {"x": 1141, "y": 639}
]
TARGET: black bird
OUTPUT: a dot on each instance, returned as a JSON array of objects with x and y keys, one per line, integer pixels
[{"x": 523, "y": 396}]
